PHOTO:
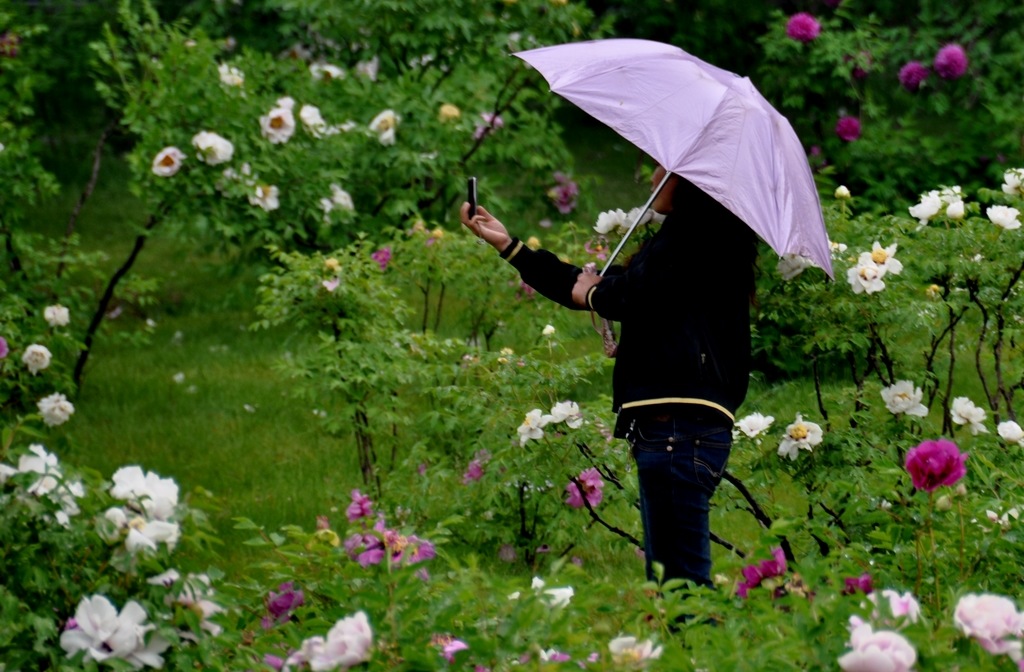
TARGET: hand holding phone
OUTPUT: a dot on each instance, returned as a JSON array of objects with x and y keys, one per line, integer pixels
[{"x": 471, "y": 188}]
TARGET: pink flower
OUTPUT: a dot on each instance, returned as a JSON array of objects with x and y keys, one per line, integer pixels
[
  {"x": 449, "y": 646},
  {"x": 3, "y": 347},
  {"x": 935, "y": 463},
  {"x": 382, "y": 257},
  {"x": 592, "y": 484},
  {"x": 803, "y": 27},
  {"x": 282, "y": 603},
  {"x": 474, "y": 472},
  {"x": 951, "y": 62},
  {"x": 848, "y": 128},
  {"x": 766, "y": 569},
  {"x": 361, "y": 507},
  {"x": 860, "y": 584},
  {"x": 331, "y": 285},
  {"x": 564, "y": 193},
  {"x": 992, "y": 620},
  {"x": 492, "y": 122},
  {"x": 912, "y": 75}
]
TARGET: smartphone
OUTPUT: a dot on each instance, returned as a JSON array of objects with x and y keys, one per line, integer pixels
[{"x": 471, "y": 189}]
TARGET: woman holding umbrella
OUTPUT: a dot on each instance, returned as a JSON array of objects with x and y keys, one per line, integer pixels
[{"x": 683, "y": 359}]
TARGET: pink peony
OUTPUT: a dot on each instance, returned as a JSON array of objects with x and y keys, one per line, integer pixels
[
  {"x": 361, "y": 507},
  {"x": 564, "y": 193},
  {"x": 284, "y": 601},
  {"x": 474, "y": 472},
  {"x": 754, "y": 574},
  {"x": 874, "y": 651},
  {"x": 803, "y": 27},
  {"x": 860, "y": 584},
  {"x": 592, "y": 484},
  {"x": 912, "y": 75},
  {"x": 951, "y": 62},
  {"x": 991, "y": 620},
  {"x": 3, "y": 347},
  {"x": 935, "y": 463},
  {"x": 382, "y": 257},
  {"x": 848, "y": 128}
]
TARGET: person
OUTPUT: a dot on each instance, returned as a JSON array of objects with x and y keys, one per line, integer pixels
[{"x": 683, "y": 360}]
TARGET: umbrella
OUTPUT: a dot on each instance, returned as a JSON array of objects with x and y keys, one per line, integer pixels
[{"x": 704, "y": 123}]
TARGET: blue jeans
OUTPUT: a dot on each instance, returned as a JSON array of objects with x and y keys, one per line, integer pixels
[{"x": 679, "y": 465}]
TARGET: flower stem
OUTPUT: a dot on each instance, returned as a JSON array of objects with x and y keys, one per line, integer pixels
[
  {"x": 931, "y": 534},
  {"x": 963, "y": 537}
]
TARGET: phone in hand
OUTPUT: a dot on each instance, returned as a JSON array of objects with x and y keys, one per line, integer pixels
[{"x": 471, "y": 197}]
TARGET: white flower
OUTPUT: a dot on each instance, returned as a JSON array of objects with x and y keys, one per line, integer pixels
[
  {"x": 36, "y": 357},
  {"x": 278, "y": 125},
  {"x": 146, "y": 534},
  {"x": 964, "y": 412},
  {"x": 1, "y": 147},
  {"x": 230, "y": 75},
  {"x": 611, "y": 221},
  {"x": 348, "y": 643},
  {"x": 265, "y": 196},
  {"x": 167, "y": 162},
  {"x": 903, "y": 397},
  {"x": 950, "y": 195},
  {"x": 567, "y": 411},
  {"x": 955, "y": 210},
  {"x": 1011, "y": 431},
  {"x": 326, "y": 71},
  {"x": 837, "y": 249},
  {"x": 102, "y": 633},
  {"x": 627, "y": 650},
  {"x": 211, "y": 148},
  {"x": 559, "y": 597},
  {"x": 875, "y": 651},
  {"x": 799, "y": 436},
  {"x": 991, "y": 620},
  {"x": 1004, "y": 520},
  {"x": 56, "y": 316},
  {"x": 385, "y": 125},
  {"x": 532, "y": 427},
  {"x": 314, "y": 123},
  {"x": 548, "y": 330},
  {"x": 369, "y": 69},
  {"x": 40, "y": 462},
  {"x": 157, "y": 496},
  {"x": 866, "y": 276},
  {"x": 6, "y": 471},
  {"x": 792, "y": 265},
  {"x": 883, "y": 257},
  {"x": 929, "y": 206},
  {"x": 55, "y": 409},
  {"x": 339, "y": 199},
  {"x": 842, "y": 193},
  {"x": 179, "y": 377},
  {"x": 1004, "y": 216},
  {"x": 1013, "y": 182},
  {"x": 755, "y": 424}
]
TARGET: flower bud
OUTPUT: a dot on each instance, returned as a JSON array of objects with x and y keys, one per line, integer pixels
[
  {"x": 943, "y": 503},
  {"x": 961, "y": 489},
  {"x": 533, "y": 242},
  {"x": 842, "y": 193}
]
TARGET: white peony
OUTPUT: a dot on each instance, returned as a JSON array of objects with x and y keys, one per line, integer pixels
[
  {"x": 103, "y": 633},
  {"x": 884, "y": 259},
  {"x": 866, "y": 276},
  {"x": 55, "y": 409},
  {"x": 792, "y": 265},
  {"x": 369, "y": 69},
  {"x": 800, "y": 435},
  {"x": 230, "y": 75},
  {"x": 929, "y": 206},
  {"x": 1004, "y": 216},
  {"x": 903, "y": 397},
  {"x": 1013, "y": 182},
  {"x": 385, "y": 125},
  {"x": 630, "y": 651},
  {"x": 842, "y": 193},
  {"x": 278, "y": 125},
  {"x": 157, "y": 496},
  {"x": 326, "y": 71},
  {"x": 348, "y": 643},
  {"x": 265, "y": 196},
  {"x": 567, "y": 412},
  {"x": 754, "y": 424},
  {"x": 212, "y": 149},
  {"x": 1011, "y": 431},
  {"x": 548, "y": 330},
  {"x": 611, "y": 221},
  {"x": 38, "y": 461},
  {"x": 964, "y": 412},
  {"x": 56, "y": 316},
  {"x": 955, "y": 210},
  {"x": 532, "y": 427},
  {"x": 167, "y": 161},
  {"x": 146, "y": 534},
  {"x": 313, "y": 122},
  {"x": 36, "y": 357}
]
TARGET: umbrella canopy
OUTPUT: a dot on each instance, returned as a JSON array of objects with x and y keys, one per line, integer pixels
[{"x": 701, "y": 122}]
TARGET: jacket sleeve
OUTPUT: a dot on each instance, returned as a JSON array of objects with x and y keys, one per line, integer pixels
[
  {"x": 628, "y": 289},
  {"x": 543, "y": 271}
]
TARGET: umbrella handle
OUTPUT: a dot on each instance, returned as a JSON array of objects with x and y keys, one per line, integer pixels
[{"x": 632, "y": 227}]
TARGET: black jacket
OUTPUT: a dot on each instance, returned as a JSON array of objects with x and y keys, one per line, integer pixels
[{"x": 683, "y": 302}]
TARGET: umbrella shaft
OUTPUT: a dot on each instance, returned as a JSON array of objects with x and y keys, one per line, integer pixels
[{"x": 632, "y": 227}]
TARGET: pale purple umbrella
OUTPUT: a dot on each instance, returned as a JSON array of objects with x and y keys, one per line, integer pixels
[{"x": 702, "y": 122}]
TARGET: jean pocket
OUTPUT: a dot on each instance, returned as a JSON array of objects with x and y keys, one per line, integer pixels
[{"x": 710, "y": 457}]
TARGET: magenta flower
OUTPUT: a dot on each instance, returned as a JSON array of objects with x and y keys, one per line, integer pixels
[
  {"x": 564, "y": 193},
  {"x": 361, "y": 507},
  {"x": 803, "y": 27},
  {"x": 592, "y": 484},
  {"x": 284, "y": 601},
  {"x": 3, "y": 347},
  {"x": 912, "y": 75},
  {"x": 449, "y": 646},
  {"x": 951, "y": 62},
  {"x": 754, "y": 574},
  {"x": 273, "y": 661},
  {"x": 382, "y": 257},
  {"x": 860, "y": 584},
  {"x": 474, "y": 472},
  {"x": 935, "y": 463},
  {"x": 848, "y": 128}
]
